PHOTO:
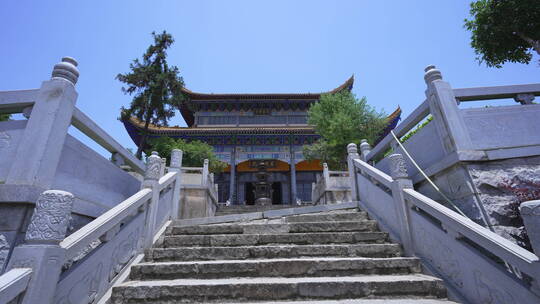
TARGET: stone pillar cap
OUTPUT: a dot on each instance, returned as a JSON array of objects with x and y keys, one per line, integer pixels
[
  {"x": 351, "y": 148},
  {"x": 67, "y": 69},
  {"x": 432, "y": 74},
  {"x": 530, "y": 207}
]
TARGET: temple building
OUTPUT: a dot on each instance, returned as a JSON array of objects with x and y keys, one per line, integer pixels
[{"x": 247, "y": 130}]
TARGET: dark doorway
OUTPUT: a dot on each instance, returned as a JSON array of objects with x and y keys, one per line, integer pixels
[
  {"x": 276, "y": 193},
  {"x": 250, "y": 194}
]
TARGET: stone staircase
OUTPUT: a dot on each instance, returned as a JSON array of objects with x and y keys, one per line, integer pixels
[{"x": 309, "y": 258}]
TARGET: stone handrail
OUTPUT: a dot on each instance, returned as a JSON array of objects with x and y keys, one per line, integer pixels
[
  {"x": 421, "y": 112},
  {"x": 14, "y": 283},
  {"x": 82, "y": 238},
  {"x": 88, "y": 127},
  {"x": 477, "y": 265},
  {"x": 17, "y": 101},
  {"x": 167, "y": 179},
  {"x": 523, "y": 94},
  {"x": 497, "y": 92},
  {"x": 526, "y": 261},
  {"x": 84, "y": 266}
]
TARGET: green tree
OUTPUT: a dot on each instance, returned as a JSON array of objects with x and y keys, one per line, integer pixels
[
  {"x": 504, "y": 30},
  {"x": 194, "y": 152},
  {"x": 4, "y": 117},
  {"x": 341, "y": 119},
  {"x": 155, "y": 87}
]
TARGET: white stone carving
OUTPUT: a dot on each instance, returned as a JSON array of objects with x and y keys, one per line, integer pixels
[
  {"x": 51, "y": 217},
  {"x": 67, "y": 69},
  {"x": 176, "y": 158},
  {"x": 153, "y": 167},
  {"x": 432, "y": 74},
  {"x": 352, "y": 149},
  {"x": 123, "y": 252},
  {"x": 365, "y": 148},
  {"x": 4, "y": 251},
  {"x": 398, "y": 169}
]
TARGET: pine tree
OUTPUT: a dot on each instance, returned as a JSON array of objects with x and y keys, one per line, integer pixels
[{"x": 155, "y": 87}]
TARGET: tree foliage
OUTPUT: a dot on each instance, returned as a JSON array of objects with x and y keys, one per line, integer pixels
[
  {"x": 504, "y": 30},
  {"x": 341, "y": 119},
  {"x": 4, "y": 117},
  {"x": 155, "y": 87},
  {"x": 194, "y": 152}
]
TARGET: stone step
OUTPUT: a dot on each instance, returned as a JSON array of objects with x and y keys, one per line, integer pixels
[
  {"x": 236, "y": 209},
  {"x": 332, "y": 216},
  {"x": 309, "y": 267},
  {"x": 272, "y": 251},
  {"x": 410, "y": 300},
  {"x": 265, "y": 228},
  {"x": 263, "y": 239},
  {"x": 264, "y": 288}
]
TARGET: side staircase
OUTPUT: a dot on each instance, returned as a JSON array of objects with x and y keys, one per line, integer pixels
[{"x": 307, "y": 258}]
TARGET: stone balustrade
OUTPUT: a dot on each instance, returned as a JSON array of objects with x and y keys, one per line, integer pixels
[
  {"x": 51, "y": 267},
  {"x": 199, "y": 192},
  {"x": 477, "y": 265},
  {"x": 332, "y": 187},
  {"x": 480, "y": 158},
  {"x": 38, "y": 154}
]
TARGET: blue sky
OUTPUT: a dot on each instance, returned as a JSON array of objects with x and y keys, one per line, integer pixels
[{"x": 248, "y": 46}]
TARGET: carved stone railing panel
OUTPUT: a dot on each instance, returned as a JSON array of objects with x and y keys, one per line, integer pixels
[
  {"x": 378, "y": 202},
  {"x": 88, "y": 279},
  {"x": 164, "y": 206},
  {"x": 468, "y": 270}
]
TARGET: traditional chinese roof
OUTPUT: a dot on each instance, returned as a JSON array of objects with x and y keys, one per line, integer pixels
[
  {"x": 195, "y": 96},
  {"x": 134, "y": 127},
  {"x": 244, "y": 101}
]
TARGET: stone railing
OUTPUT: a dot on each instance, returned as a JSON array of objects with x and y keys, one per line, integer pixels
[
  {"x": 472, "y": 134},
  {"x": 82, "y": 267},
  {"x": 331, "y": 188},
  {"x": 477, "y": 265},
  {"x": 38, "y": 154},
  {"x": 199, "y": 192},
  {"x": 477, "y": 157}
]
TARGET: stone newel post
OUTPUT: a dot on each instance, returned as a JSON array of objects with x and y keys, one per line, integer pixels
[
  {"x": 163, "y": 166},
  {"x": 176, "y": 166},
  {"x": 530, "y": 212},
  {"x": 42, "y": 251},
  {"x": 204, "y": 180},
  {"x": 365, "y": 148},
  {"x": 352, "y": 155},
  {"x": 38, "y": 153},
  {"x": 326, "y": 174},
  {"x": 401, "y": 180},
  {"x": 443, "y": 106},
  {"x": 151, "y": 180}
]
